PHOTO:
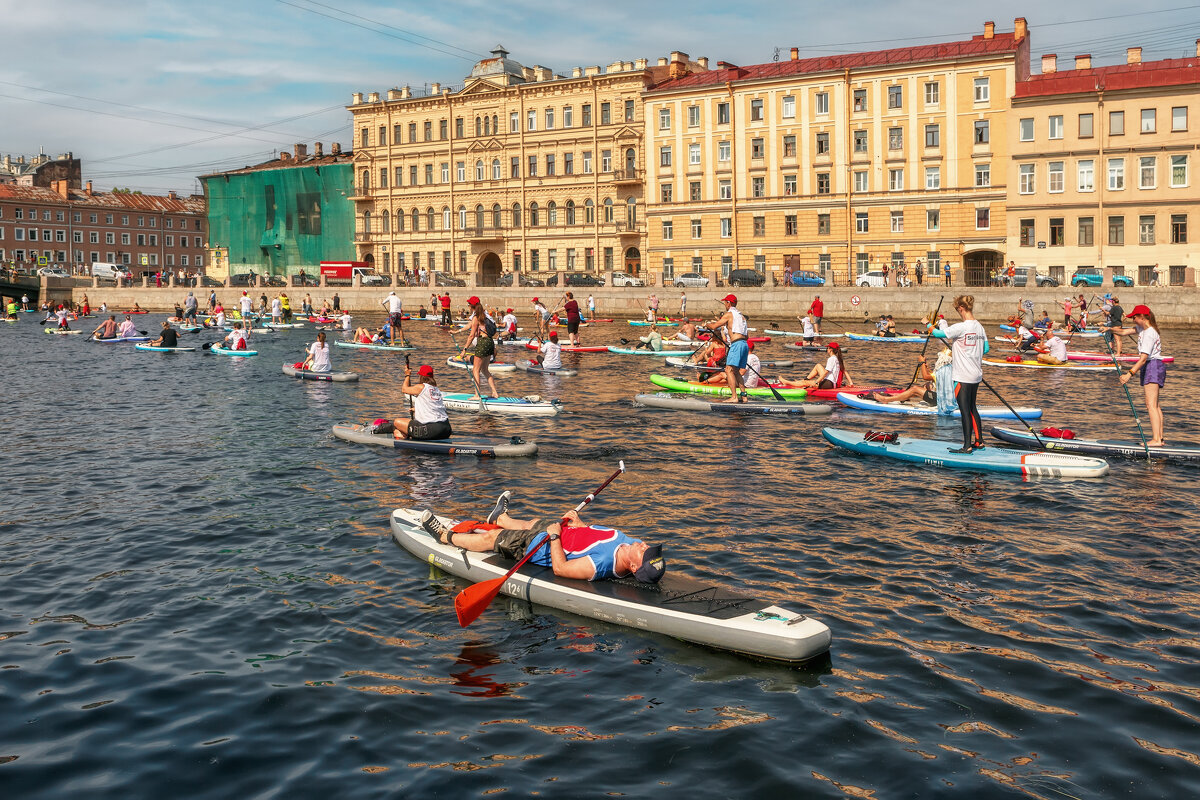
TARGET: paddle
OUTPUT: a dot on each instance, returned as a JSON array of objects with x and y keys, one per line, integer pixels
[
  {"x": 412, "y": 412},
  {"x": 928, "y": 336},
  {"x": 1129, "y": 397},
  {"x": 473, "y": 600},
  {"x": 767, "y": 383},
  {"x": 1015, "y": 414}
]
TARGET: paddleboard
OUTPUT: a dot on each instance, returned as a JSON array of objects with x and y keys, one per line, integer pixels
[
  {"x": 495, "y": 366},
  {"x": 1101, "y": 447},
  {"x": 310, "y": 375},
  {"x": 641, "y": 323},
  {"x": 157, "y": 349},
  {"x": 696, "y": 387},
  {"x": 776, "y": 332},
  {"x": 1090, "y": 333},
  {"x": 276, "y": 326},
  {"x": 678, "y": 605},
  {"x": 810, "y": 348},
  {"x": 573, "y": 348},
  {"x": 935, "y": 453},
  {"x": 538, "y": 369},
  {"x": 122, "y": 339},
  {"x": 1084, "y": 355},
  {"x": 526, "y": 406},
  {"x": 677, "y": 402},
  {"x": 859, "y": 337},
  {"x": 225, "y": 351},
  {"x": 832, "y": 394},
  {"x": 482, "y": 446},
  {"x": 927, "y": 410},
  {"x": 676, "y": 361},
  {"x": 629, "y": 351},
  {"x": 521, "y": 342},
  {"x": 1070, "y": 366},
  {"x": 361, "y": 346},
  {"x": 58, "y": 332}
]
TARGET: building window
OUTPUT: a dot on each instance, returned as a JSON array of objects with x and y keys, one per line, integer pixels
[
  {"x": 895, "y": 138},
  {"x": 982, "y": 131},
  {"x": 531, "y": 120},
  {"x": 629, "y": 108},
  {"x": 789, "y": 107},
  {"x": 445, "y": 173},
  {"x": 550, "y": 164},
  {"x": 983, "y": 92},
  {"x": 1086, "y": 231},
  {"x": 822, "y": 144},
  {"x": 860, "y": 222},
  {"x": 863, "y": 261},
  {"x": 760, "y": 226},
  {"x": 895, "y": 97},
  {"x": 1146, "y": 229},
  {"x": 789, "y": 185},
  {"x": 758, "y": 186},
  {"x": 444, "y": 127},
  {"x": 983, "y": 219},
  {"x": 363, "y": 137},
  {"x": 789, "y": 146},
  {"x": 587, "y": 162},
  {"x": 860, "y": 141},
  {"x": 933, "y": 178},
  {"x": 983, "y": 175},
  {"x": 1179, "y": 229},
  {"x": 1026, "y": 128},
  {"x": 1056, "y": 127},
  {"x": 549, "y": 119},
  {"x": 1179, "y": 118},
  {"x": 896, "y": 180},
  {"x": 668, "y": 266},
  {"x": 1116, "y": 230},
  {"x": 1149, "y": 124},
  {"x": 1055, "y": 177},
  {"x": 724, "y": 189},
  {"x": 757, "y": 148},
  {"x": 664, "y": 156},
  {"x": 664, "y": 119},
  {"x": 693, "y": 113},
  {"x": 1116, "y": 123},
  {"x": 532, "y": 169},
  {"x": 1147, "y": 172},
  {"x": 722, "y": 113},
  {"x": 694, "y": 155},
  {"x": 479, "y": 171},
  {"x": 726, "y": 228},
  {"x": 933, "y": 135},
  {"x": 897, "y": 222},
  {"x": 1085, "y": 126},
  {"x": 429, "y": 174},
  {"x": 1087, "y": 176},
  {"x": 412, "y": 132},
  {"x": 821, "y": 102},
  {"x": 1056, "y": 231},
  {"x": 534, "y": 217},
  {"x": 860, "y": 99},
  {"x": 428, "y": 129},
  {"x": 551, "y": 213},
  {"x": 723, "y": 151},
  {"x": 667, "y": 192},
  {"x": 932, "y": 94},
  {"x": 861, "y": 182},
  {"x": 1179, "y": 172},
  {"x": 790, "y": 226},
  {"x": 606, "y": 160},
  {"x": 756, "y": 110},
  {"x": 568, "y": 163},
  {"x": 823, "y": 224},
  {"x": 822, "y": 183},
  {"x": 412, "y": 175},
  {"x": 608, "y": 210},
  {"x": 1028, "y": 234},
  {"x": 697, "y": 229},
  {"x": 933, "y": 219},
  {"x": 694, "y": 191},
  {"x": 1026, "y": 179},
  {"x": 1116, "y": 174},
  {"x": 668, "y": 230}
]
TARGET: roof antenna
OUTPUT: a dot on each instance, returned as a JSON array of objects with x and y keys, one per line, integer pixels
[{"x": 776, "y": 58}]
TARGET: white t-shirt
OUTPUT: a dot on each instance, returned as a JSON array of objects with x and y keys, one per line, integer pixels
[
  {"x": 1023, "y": 332},
  {"x": 428, "y": 406},
  {"x": 942, "y": 325},
  {"x": 276, "y": 308},
  {"x": 247, "y": 305},
  {"x": 346, "y": 320},
  {"x": 320, "y": 357},
  {"x": 1150, "y": 343},
  {"x": 739, "y": 325},
  {"x": 1057, "y": 347},
  {"x": 551, "y": 355},
  {"x": 393, "y": 303},
  {"x": 235, "y": 336},
  {"x": 127, "y": 328},
  {"x": 834, "y": 368},
  {"x": 753, "y": 367},
  {"x": 967, "y": 338},
  {"x": 809, "y": 329},
  {"x": 510, "y": 323},
  {"x": 541, "y": 311},
  {"x": 220, "y": 319}
]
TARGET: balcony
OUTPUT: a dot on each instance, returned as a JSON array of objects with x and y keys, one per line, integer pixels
[
  {"x": 627, "y": 176},
  {"x": 625, "y": 229},
  {"x": 483, "y": 234}
]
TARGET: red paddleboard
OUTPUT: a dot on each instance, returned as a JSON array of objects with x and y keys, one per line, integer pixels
[
  {"x": 134, "y": 312},
  {"x": 704, "y": 337},
  {"x": 831, "y": 394}
]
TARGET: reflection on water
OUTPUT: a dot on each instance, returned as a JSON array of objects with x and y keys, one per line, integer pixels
[{"x": 194, "y": 565}]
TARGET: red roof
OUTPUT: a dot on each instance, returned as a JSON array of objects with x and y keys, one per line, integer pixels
[
  {"x": 78, "y": 197},
  {"x": 1144, "y": 75},
  {"x": 977, "y": 46}
]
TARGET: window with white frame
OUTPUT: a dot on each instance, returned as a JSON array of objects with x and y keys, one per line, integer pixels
[
  {"x": 1146, "y": 229},
  {"x": 756, "y": 110},
  {"x": 697, "y": 229},
  {"x": 897, "y": 222},
  {"x": 1055, "y": 129},
  {"x": 861, "y": 183},
  {"x": 758, "y": 186},
  {"x": 1086, "y": 171},
  {"x": 896, "y": 180},
  {"x": 549, "y": 119},
  {"x": 1116, "y": 174},
  {"x": 693, "y": 116},
  {"x": 664, "y": 119},
  {"x": 933, "y": 178},
  {"x": 723, "y": 151},
  {"x": 895, "y": 97},
  {"x": 531, "y": 120},
  {"x": 1026, "y": 179},
  {"x": 1147, "y": 172},
  {"x": 1179, "y": 172},
  {"x": 1055, "y": 180},
  {"x": 568, "y": 116},
  {"x": 724, "y": 189},
  {"x": 726, "y": 227},
  {"x": 694, "y": 155},
  {"x": 895, "y": 138},
  {"x": 514, "y": 123},
  {"x": 1086, "y": 126},
  {"x": 1026, "y": 128},
  {"x": 821, "y": 102},
  {"x": 982, "y": 131},
  {"x": 983, "y": 91},
  {"x": 789, "y": 185},
  {"x": 983, "y": 175},
  {"x": 1116, "y": 123},
  {"x": 1149, "y": 120},
  {"x": 861, "y": 224},
  {"x": 789, "y": 107},
  {"x": 668, "y": 230},
  {"x": 932, "y": 94},
  {"x": 1179, "y": 118}
]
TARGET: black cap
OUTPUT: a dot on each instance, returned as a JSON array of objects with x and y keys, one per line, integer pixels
[{"x": 653, "y": 566}]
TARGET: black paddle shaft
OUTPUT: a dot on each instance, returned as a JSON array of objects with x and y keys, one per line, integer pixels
[
  {"x": 1015, "y": 414},
  {"x": 928, "y": 336},
  {"x": 412, "y": 412}
]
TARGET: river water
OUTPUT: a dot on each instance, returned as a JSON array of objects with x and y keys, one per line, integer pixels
[{"x": 201, "y": 597}]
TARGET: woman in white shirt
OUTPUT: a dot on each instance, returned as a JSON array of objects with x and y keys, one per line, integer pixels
[
  {"x": 429, "y": 419},
  {"x": 550, "y": 356},
  {"x": 1153, "y": 368},
  {"x": 830, "y": 375},
  {"x": 967, "y": 340},
  {"x": 318, "y": 355}
]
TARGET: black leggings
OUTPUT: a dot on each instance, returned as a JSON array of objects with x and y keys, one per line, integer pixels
[{"x": 965, "y": 394}]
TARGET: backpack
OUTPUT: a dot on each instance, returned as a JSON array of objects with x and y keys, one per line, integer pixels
[{"x": 490, "y": 326}]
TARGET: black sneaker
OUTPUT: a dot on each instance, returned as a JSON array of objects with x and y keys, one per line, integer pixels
[
  {"x": 963, "y": 450},
  {"x": 501, "y": 507},
  {"x": 434, "y": 527}
]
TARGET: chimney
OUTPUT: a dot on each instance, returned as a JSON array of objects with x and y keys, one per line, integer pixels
[
  {"x": 1133, "y": 55},
  {"x": 726, "y": 65},
  {"x": 393, "y": 94},
  {"x": 702, "y": 62},
  {"x": 1083, "y": 62},
  {"x": 373, "y": 97},
  {"x": 577, "y": 72},
  {"x": 406, "y": 92},
  {"x": 662, "y": 62},
  {"x": 284, "y": 155},
  {"x": 60, "y": 187},
  {"x": 795, "y": 54},
  {"x": 989, "y": 30},
  {"x": 335, "y": 149},
  {"x": 1020, "y": 28},
  {"x": 89, "y": 188},
  {"x": 435, "y": 88},
  {"x": 356, "y": 98},
  {"x": 1048, "y": 63},
  {"x": 318, "y": 150},
  {"x": 640, "y": 64},
  {"x": 677, "y": 55},
  {"x": 172, "y": 196},
  {"x": 301, "y": 150}
]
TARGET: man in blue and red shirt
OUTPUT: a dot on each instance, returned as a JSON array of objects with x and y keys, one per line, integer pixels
[{"x": 575, "y": 550}]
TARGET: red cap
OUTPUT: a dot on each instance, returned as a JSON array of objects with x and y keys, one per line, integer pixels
[
  {"x": 472, "y": 300},
  {"x": 1143, "y": 311},
  {"x": 508, "y": 311},
  {"x": 534, "y": 300},
  {"x": 751, "y": 346},
  {"x": 425, "y": 371},
  {"x": 730, "y": 298},
  {"x": 834, "y": 346}
]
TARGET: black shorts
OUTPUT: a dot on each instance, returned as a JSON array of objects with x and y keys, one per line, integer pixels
[
  {"x": 429, "y": 430},
  {"x": 512, "y": 544},
  {"x": 485, "y": 348},
  {"x": 572, "y": 325},
  {"x": 825, "y": 384}
]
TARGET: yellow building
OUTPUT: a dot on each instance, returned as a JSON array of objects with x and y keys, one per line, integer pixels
[
  {"x": 838, "y": 164},
  {"x": 1102, "y": 172},
  {"x": 519, "y": 170}
]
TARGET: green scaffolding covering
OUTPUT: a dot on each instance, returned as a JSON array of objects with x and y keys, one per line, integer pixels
[{"x": 280, "y": 221}]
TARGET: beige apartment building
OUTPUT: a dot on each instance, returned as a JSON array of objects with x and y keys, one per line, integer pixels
[
  {"x": 519, "y": 170},
  {"x": 837, "y": 164},
  {"x": 1102, "y": 172}
]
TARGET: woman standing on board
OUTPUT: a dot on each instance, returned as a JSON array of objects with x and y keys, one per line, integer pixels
[
  {"x": 485, "y": 347},
  {"x": 966, "y": 342},
  {"x": 1154, "y": 370}
]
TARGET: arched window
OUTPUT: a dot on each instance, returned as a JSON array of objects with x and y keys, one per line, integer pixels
[
  {"x": 608, "y": 209},
  {"x": 487, "y": 128},
  {"x": 533, "y": 215},
  {"x": 479, "y": 216},
  {"x": 495, "y": 124},
  {"x": 631, "y": 212},
  {"x": 570, "y": 212},
  {"x": 516, "y": 215},
  {"x": 630, "y": 161},
  {"x": 430, "y": 219},
  {"x": 446, "y": 221},
  {"x": 386, "y": 219},
  {"x": 497, "y": 223},
  {"x": 478, "y": 127},
  {"x": 479, "y": 174},
  {"x": 552, "y": 213},
  {"x": 462, "y": 218},
  {"x": 400, "y": 221},
  {"x": 416, "y": 220},
  {"x": 589, "y": 211},
  {"x": 496, "y": 169},
  {"x": 366, "y": 180},
  {"x": 366, "y": 216}
]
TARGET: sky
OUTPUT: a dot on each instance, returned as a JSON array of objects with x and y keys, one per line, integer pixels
[{"x": 152, "y": 93}]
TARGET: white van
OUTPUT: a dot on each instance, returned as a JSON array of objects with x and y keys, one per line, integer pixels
[{"x": 103, "y": 269}]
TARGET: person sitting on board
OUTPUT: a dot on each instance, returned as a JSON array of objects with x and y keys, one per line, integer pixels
[
  {"x": 550, "y": 355},
  {"x": 167, "y": 337},
  {"x": 923, "y": 392},
  {"x": 346, "y": 320},
  {"x": 136, "y": 309},
  {"x": 738, "y": 350},
  {"x": 238, "y": 337},
  {"x": 830, "y": 375},
  {"x": 363, "y": 336},
  {"x": 1045, "y": 322},
  {"x": 127, "y": 329},
  {"x": 422, "y": 312},
  {"x": 429, "y": 418},
  {"x": 178, "y": 314},
  {"x": 750, "y": 372},
  {"x": 651, "y": 341},
  {"x": 318, "y": 355},
  {"x": 889, "y": 329},
  {"x": 881, "y": 325},
  {"x": 106, "y": 329},
  {"x": 575, "y": 550},
  {"x": 686, "y": 332},
  {"x": 509, "y": 323},
  {"x": 1053, "y": 350},
  {"x": 1026, "y": 339}
]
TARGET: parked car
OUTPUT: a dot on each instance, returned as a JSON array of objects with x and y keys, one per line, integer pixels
[
  {"x": 53, "y": 272},
  {"x": 584, "y": 279},
  {"x": 1093, "y": 276},
  {"x": 445, "y": 279},
  {"x": 746, "y": 277},
  {"x": 507, "y": 280},
  {"x": 804, "y": 277},
  {"x": 1025, "y": 274},
  {"x": 110, "y": 271},
  {"x": 241, "y": 280},
  {"x": 207, "y": 280},
  {"x": 274, "y": 280},
  {"x": 872, "y": 278},
  {"x": 690, "y": 279},
  {"x": 625, "y": 279}
]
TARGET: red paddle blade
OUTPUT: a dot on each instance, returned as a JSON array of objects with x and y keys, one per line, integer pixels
[{"x": 474, "y": 600}]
